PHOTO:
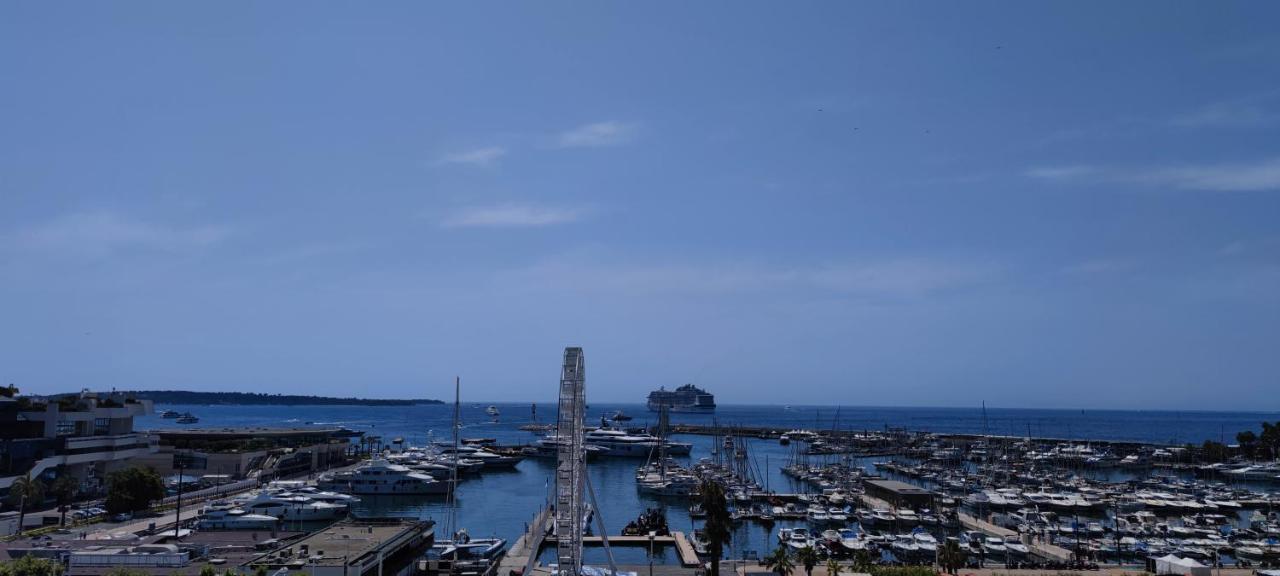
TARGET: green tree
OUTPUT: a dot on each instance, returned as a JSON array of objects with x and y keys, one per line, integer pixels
[
  {"x": 133, "y": 489},
  {"x": 260, "y": 571},
  {"x": 64, "y": 490},
  {"x": 861, "y": 560},
  {"x": 779, "y": 562},
  {"x": 1213, "y": 451},
  {"x": 718, "y": 526},
  {"x": 9, "y": 391},
  {"x": 1248, "y": 441},
  {"x": 808, "y": 557},
  {"x": 951, "y": 557},
  {"x": 1269, "y": 440},
  {"x": 208, "y": 571},
  {"x": 24, "y": 494},
  {"x": 833, "y": 567},
  {"x": 31, "y": 566},
  {"x": 127, "y": 572}
]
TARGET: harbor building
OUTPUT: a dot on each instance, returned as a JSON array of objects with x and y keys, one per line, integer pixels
[
  {"x": 351, "y": 548},
  {"x": 898, "y": 494},
  {"x": 241, "y": 452},
  {"x": 86, "y": 436}
]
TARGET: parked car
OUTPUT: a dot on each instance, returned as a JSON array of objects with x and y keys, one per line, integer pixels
[{"x": 122, "y": 517}]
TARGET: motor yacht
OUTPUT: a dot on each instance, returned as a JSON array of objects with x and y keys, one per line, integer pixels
[
  {"x": 382, "y": 477},
  {"x": 621, "y": 443},
  {"x": 292, "y": 507},
  {"x": 1015, "y": 547},
  {"x": 490, "y": 460},
  {"x": 228, "y": 516},
  {"x": 904, "y": 547}
]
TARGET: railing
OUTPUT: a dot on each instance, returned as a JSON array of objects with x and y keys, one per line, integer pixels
[{"x": 212, "y": 492}]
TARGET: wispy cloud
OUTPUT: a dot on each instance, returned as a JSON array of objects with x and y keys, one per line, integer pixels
[
  {"x": 598, "y": 134},
  {"x": 1250, "y": 111},
  {"x": 1256, "y": 176},
  {"x": 511, "y": 215},
  {"x": 1252, "y": 177},
  {"x": 102, "y": 233},
  {"x": 475, "y": 157},
  {"x": 882, "y": 279},
  {"x": 1060, "y": 172}
]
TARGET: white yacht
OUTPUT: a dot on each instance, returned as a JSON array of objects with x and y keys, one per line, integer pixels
[
  {"x": 492, "y": 411},
  {"x": 620, "y": 443},
  {"x": 292, "y": 507},
  {"x": 382, "y": 477},
  {"x": 227, "y": 516},
  {"x": 489, "y": 459}
]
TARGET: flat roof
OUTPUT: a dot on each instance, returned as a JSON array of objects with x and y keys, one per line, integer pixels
[
  {"x": 901, "y": 488},
  {"x": 342, "y": 543}
]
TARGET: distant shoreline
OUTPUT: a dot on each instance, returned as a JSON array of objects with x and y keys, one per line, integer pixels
[{"x": 254, "y": 399}]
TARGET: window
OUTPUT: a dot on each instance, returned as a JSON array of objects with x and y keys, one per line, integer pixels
[
  {"x": 101, "y": 426},
  {"x": 66, "y": 428}
]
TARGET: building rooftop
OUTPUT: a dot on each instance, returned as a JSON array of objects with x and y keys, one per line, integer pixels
[
  {"x": 341, "y": 544},
  {"x": 901, "y": 488}
]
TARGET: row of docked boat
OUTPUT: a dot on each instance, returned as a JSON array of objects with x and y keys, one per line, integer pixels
[{"x": 278, "y": 502}]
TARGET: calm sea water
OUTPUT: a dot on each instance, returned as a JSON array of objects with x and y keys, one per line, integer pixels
[{"x": 500, "y": 503}]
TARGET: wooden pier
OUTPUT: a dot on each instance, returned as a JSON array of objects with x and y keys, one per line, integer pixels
[
  {"x": 527, "y": 545},
  {"x": 1041, "y": 549},
  {"x": 538, "y": 535}
]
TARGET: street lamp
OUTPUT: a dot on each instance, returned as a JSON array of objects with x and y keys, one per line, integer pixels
[
  {"x": 651, "y": 535},
  {"x": 177, "y": 518}
]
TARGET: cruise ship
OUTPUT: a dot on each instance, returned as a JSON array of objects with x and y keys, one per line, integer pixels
[{"x": 687, "y": 398}]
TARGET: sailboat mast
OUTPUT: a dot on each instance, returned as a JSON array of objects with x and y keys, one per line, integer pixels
[{"x": 453, "y": 478}]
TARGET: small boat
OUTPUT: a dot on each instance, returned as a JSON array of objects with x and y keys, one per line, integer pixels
[
  {"x": 784, "y": 440},
  {"x": 188, "y": 418},
  {"x": 492, "y": 411},
  {"x": 618, "y": 416},
  {"x": 170, "y": 414}
]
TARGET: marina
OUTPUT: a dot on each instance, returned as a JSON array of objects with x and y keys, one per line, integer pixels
[{"x": 890, "y": 496}]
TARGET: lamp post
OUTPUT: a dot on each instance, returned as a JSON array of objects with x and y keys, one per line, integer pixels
[
  {"x": 651, "y": 535},
  {"x": 177, "y": 518}
]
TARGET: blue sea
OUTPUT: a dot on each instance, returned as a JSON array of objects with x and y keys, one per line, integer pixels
[{"x": 500, "y": 503}]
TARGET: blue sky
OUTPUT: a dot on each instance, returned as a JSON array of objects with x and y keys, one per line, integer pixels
[{"x": 1035, "y": 204}]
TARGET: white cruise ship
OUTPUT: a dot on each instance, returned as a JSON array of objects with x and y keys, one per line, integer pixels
[{"x": 382, "y": 477}]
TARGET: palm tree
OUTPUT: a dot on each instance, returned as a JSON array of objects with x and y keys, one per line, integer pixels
[
  {"x": 951, "y": 557},
  {"x": 809, "y": 558},
  {"x": 833, "y": 567},
  {"x": 779, "y": 562},
  {"x": 64, "y": 491},
  {"x": 717, "y": 526},
  {"x": 26, "y": 491}
]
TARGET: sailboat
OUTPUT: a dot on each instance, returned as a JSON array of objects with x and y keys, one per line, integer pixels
[
  {"x": 464, "y": 553},
  {"x": 533, "y": 425}
]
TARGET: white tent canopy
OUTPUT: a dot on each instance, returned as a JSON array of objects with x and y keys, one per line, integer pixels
[{"x": 1171, "y": 564}]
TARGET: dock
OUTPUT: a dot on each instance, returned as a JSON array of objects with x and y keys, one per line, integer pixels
[
  {"x": 538, "y": 535},
  {"x": 527, "y": 546},
  {"x": 1041, "y": 549}
]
